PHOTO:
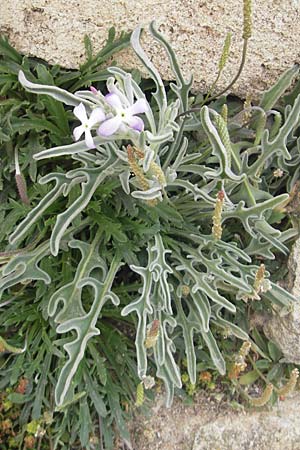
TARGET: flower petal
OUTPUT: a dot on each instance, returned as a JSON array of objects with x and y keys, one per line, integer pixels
[
  {"x": 80, "y": 112},
  {"x": 109, "y": 127},
  {"x": 140, "y": 106},
  {"x": 113, "y": 100},
  {"x": 78, "y": 131},
  {"x": 135, "y": 122},
  {"x": 93, "y": 90},
  {"x": 96, "y": 116},
  {"x": 89, "y": 139}
]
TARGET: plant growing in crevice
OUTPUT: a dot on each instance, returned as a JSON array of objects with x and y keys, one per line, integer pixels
[{"x": 141, "y": 230}]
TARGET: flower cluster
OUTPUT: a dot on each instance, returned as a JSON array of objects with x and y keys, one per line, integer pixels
[{"x": 121, "y": 116}]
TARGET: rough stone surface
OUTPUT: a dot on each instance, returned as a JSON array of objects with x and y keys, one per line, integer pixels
[
  {"x": 54, "y": 30},
  {"x": 285, "y": 331},
  {"x": 277, "y": 429},
  {"x": 211, "y": 423}
]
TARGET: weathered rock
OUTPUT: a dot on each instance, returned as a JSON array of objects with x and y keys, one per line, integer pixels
[
  {"x": 285, "y": 331},
  {"x": 278, "y": 429},
  {"x": 54, "y": 30}
]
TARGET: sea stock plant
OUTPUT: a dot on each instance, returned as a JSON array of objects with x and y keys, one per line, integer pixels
[{"x": 152, "y": 225}]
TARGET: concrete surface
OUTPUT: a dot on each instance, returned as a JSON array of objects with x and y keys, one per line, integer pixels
[{"x": 54, "y": 30}]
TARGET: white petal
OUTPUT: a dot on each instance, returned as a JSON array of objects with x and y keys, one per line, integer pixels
[
  {"x": 140, "y": 106},
  {"x": 113, "y": 100},
  {"x": 89, "y": 140},
  {"x": 97, "y": 116},
  {"x": 135, "y": 123},
  {"x": 80, "y": 112},
  {"x": 110, "y": 126},
  {"x": 78, "y": 132}
]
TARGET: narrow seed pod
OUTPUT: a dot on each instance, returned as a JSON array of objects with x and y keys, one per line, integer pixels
[
  {"x": 139, "y": 395},
  {"x": 22, "y": 188},
  {"x": 245, "y": 349},
  {"x": 139, "y": 153},
  {"x": 239, "y": 361},
  {"x": 225, "y": 52},
  {"x": 264, "y": 398},
  {"x": 259, "y": 278},
  {"x": 291, "y": 384},
  {"x": 236, "y": 368},
  {"x": 224, "y": 135},
  {"x": 154, "y": 167},
  {"x": 136, "y": 169},
  {"x": 157, "y": 171},
  {"x": 152, "y": 334},
  {"x": 224, "y": 113},
  {"x": 217, "y": 217},
  {"x": 132, "y": 152},
  {"x": 247, "y": 31}
]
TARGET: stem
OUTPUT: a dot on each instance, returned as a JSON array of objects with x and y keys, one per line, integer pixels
[
  {"x": 50, "y": 441},
  {"x": 242, "y": 64},
  {"x": 257, "y": 369},
  {"x": 211, "y": 88},
  {"x": 209, "y": 99},
  {"x": 39, "y": 443}
]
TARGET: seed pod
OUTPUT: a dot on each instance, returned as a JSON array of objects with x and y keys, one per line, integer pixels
[
  {"x": 224, "y": 113},
  {"x": 247, "y": 31},
  {"x": 132, "y": 153},
  {"x": 225, "y": 52},
  {"x": 264, "y": 398},
  {"x": 135, "y": 168},
  {"x": 259, "y": 278},
  {"x": 217, "y": 217},
  {"x": 139, "y": 395},
  {"x": 22, "y": 188},
  {"x": 225, "y": 138},
  {"x": 245, "y": 349},
  {"x": 291, "y": 384},
  {"x": 157, "y": 171}
]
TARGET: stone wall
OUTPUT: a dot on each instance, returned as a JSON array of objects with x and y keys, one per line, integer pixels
[{"x": 54, "y": 30}]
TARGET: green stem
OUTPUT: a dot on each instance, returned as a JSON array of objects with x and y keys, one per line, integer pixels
[
  {"x": 209, "y": 99},
  {"x": 257, "y": 369}
]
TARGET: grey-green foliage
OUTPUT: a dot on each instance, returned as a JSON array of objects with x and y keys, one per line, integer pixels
[{"x": 191, "y": 282}]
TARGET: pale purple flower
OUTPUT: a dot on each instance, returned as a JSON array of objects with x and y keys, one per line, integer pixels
[
  {"x": 93, "y": 90},
  {"x": 97, "y": 116},
  {"x": 124, "y": 114}
]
